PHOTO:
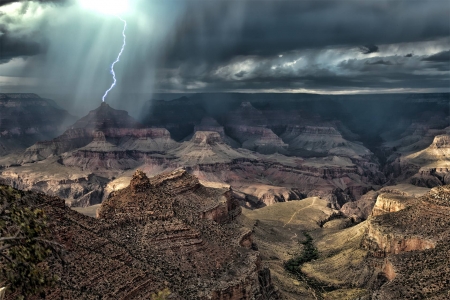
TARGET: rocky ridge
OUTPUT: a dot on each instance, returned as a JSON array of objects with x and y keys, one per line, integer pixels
[
  {"x": 26, "y": 119},
  {"x": 407, "y": 241},
  {"x": 165, "y": 232},
  {"x": 92, "y": 145}
]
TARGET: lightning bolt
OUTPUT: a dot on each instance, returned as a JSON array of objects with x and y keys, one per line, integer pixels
[{"x": 117, "y": 59}]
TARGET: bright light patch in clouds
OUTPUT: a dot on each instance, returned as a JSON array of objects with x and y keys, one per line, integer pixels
[
  {"x": 222, "y": 45},
  {"x": 109, "y": 7}
]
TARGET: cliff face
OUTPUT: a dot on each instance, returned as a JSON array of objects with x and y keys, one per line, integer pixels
[
  {"x": 408, "y": 241},
  {"x": 362, "y": 208},
  {"x": 421, "y": 156},
  {"x": 107, "y": 143},
  {"x": 246, "y": 115},
  {"x": 165, "y": 232},
  {"x": 27, "y": 118},
  {"x": 317, "y": 140},
  {"x": 176, "y": 212},
  {"x": 388, "y": 203},
  {"x": 114, "y": 127},
  {"x": 259, "y": 139}
]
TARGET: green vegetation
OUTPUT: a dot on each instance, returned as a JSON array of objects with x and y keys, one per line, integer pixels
[
  {"x": 24, "y": 245},
  {"x": 308, "y": 254},
  {"x": 162, "y": 295}
]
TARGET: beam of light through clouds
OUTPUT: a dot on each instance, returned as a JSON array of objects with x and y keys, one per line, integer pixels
[
  {"x": 114, "y": 7},
  {"x": 117, "y": 59},
  {"x": 195, "y": 46}
]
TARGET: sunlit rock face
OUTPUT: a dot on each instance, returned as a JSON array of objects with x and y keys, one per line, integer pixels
[
  {"x": 428, "y": 167},
  {"x": 27, "y": 118},
  {"x": 408, "y": 242}
]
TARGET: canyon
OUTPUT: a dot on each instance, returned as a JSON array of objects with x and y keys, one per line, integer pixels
[{"x": 256, "y": 174}]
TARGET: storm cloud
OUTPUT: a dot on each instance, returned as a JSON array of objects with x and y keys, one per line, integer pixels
[
  {"x": 443, "y": 56},
  {"x": 323, "y": 46}
]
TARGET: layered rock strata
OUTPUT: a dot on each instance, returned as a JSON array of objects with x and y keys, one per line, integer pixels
[
  {"x": 410, "y": 246},
  {"x": 26, "y": 119},
  {"x": 428, "y": 167},
  {"x": 165, "y": 232}
]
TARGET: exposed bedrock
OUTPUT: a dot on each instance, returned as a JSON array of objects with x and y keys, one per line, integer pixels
[
  {"x": 322, "y": 140},
  {"x": 382, "y": 243},
  {"x": 389, "y": 202},
  {"x": 360, "y": 209},
  {"x": 79, "y": 190},
  {"x": 26, "y": 119},
  {"x": 257, "y": 138},
  {"x": 407, "y": 240},
  {"x": 210, "y": 124},
  {"x": 246, "y": 115},
  {"x": 421, "y": 156},
  {"x": 337, "y": 185},
  {"x": 181, "y": 217},
  {"x": 149, "y": 140},
  {"x": 154, "y": 234}
]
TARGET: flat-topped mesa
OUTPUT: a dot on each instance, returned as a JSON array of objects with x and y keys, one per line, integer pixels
[
  {"x": 389, "y": 202},
  {"x": 316, "y": 130},
  {"x": 18, "y": 96},
  {"x": 244, "y": 133}
]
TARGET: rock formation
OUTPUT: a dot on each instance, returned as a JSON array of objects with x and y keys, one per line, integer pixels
[
  {"x": 112, "y": 127},
  {"x": 94, "y": 148},
  {"x": 408, "y": 239},
  {"x": 314, "y": 141},
  {"x": 210, "y": 124},
  {"x": 26, "y": 119},
  {"x": 165, "y": 232},
  {"x": 428, "y": 167}
]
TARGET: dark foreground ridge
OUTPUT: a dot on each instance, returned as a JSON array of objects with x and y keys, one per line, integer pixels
[{"x": 167, "y": 232}]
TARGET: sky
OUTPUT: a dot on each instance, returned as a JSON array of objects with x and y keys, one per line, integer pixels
[{"x": 63, "y": 49}]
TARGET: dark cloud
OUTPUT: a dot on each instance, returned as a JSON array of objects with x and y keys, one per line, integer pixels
[
  {"x": 224, "y": 29},
  {"x": 4, "y": 2},
  {"x": 380, "y": 62},
  {"x": 11, "y": 47},
  {"x": 443, "y": 56},
  {"x": 367, "y": 49},
  {"x": 240, "y": 74},
  {"x": 223, "y": 45}
]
